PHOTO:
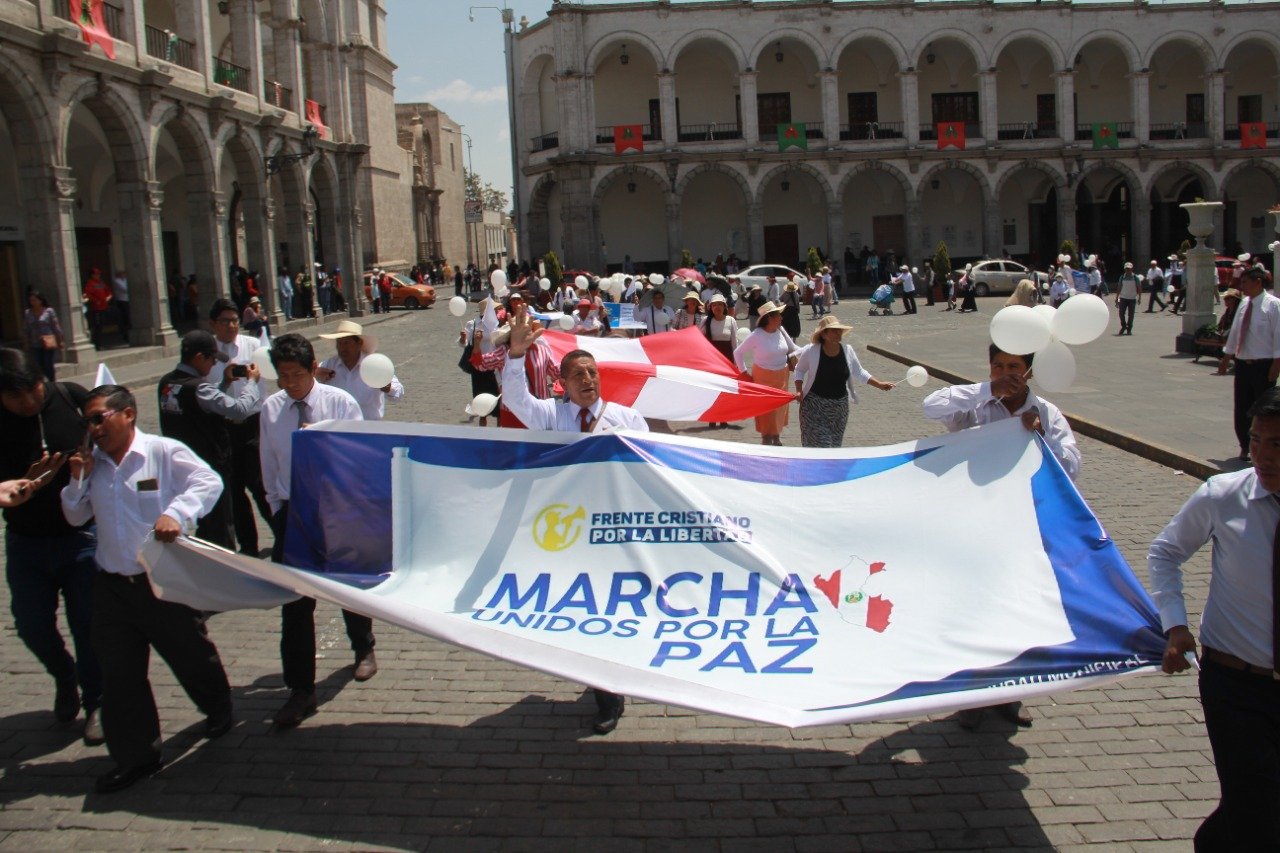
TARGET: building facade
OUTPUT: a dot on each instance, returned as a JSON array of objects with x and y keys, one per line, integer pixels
[
  {"x": 188, "y": 151},
  {"x": 435, "y": 145},
  {"x": 767, "y": 128}
]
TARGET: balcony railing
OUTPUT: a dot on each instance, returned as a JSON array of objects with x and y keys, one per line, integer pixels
[
  {"x": 604, "y": 135},
  {"x": 278, "y": 95},
  {"x": 112, "y": 16},
  {"x": 972, "y": 130},
  {"x": 546, "y": 142},
  {"x": 230, "y": 74},
  {"x": 1124, "y": 130},
  {"x": 1027, "y": 130},
  {"x": 710, "y": 132},
  {"x": 165, "y": 44},
  {"x": 871, "y": 130},
  {"x": 1232, "y": 131},
  {"x": 1179, "y": 130}
]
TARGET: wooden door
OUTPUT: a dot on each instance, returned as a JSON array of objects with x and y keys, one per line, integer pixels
[
  {"x": 782, "y": 244},
  {"x": 93, "y": 247},
  {"x": 12, "y": 294},
  {"x": 1248, "y": 108},
  {"x": 1046, "y": 114},
  {"x": 864, "y": 109},
  {"x": 772, "y": 109},
  {"x": 889, "y": 233},
  {"x": 956, "y": 106}
]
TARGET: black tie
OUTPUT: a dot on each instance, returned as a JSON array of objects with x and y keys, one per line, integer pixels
[
  {"x": 304, "y": 412},
  {"x": 1275, "y": 598}
]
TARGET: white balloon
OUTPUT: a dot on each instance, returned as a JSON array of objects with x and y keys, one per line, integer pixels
[
  {"x": 1046, "y": 311},
  {"x": 376, "y": 370},
  {"x": 581, "y": 282},
  {"x": 655, "y": 278},
  {"x": 742, "y": 334},
  {"x": 498, "y": 279},
  {"x": 544, "y": 284},
  {"x": 481, "y": 405},
  {"x": 917, "y": 376},
  {"x": 457, "y": 306},
  {"x": 566, "y": 322},
  {"x": 1055, "y": 367},
  {"x": 262, "y": 358},
  {"x": 1018, "y": 330},
  {"x": 1081, "y": 319}
]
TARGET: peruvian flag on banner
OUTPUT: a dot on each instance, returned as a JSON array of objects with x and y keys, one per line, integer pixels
[
  {"x": 313, "y": 116},
  {"x": 950, "y": 133},
  {"x": 1253, "y": 134},
  {"x": 89, "y": 15},
  {"x": 627, "y": 137},
  {"x": 677, "y": 376}
]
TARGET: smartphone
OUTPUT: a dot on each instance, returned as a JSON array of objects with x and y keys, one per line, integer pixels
[{"x": 238, "y": 371}]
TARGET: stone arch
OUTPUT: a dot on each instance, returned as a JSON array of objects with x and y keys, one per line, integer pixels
[
  {"x": 198, "y": 160},
  {"x": 1271, "y": 40},
  {"x": 874, "y": 166},
  {"x": 1267, "y": 165},
  {"x": 318, "y": 24},
  {"x": 758, "y": 196},
  {"x": 1130, "y": 177},
  {"x": 718, "y": 36},
  {"x": 1126, "y": 47},
  {"x": 1211, "y": 188},
  {"x": 1039, "y": 37},
  {"x": 1195, "y": 40},
  {"x": 719, "y": 168},
  {"x": 630, "y": 170},
  {"x": 542, "y": 191},
  {"x": 958, "y": 165},
  {"x": 130, "y": 148},
  {"x": 875, "y": 34},
  {"x": 975, "y": 47},
  {"x": 820, "y": 57},
  {"x": 322, "y": 181},
  {"x": 547, "y": 51},
  {"x": 29, "y": 122},
  {"x": 603, "y": 45},
  {"x": 1056, "y": 177}
]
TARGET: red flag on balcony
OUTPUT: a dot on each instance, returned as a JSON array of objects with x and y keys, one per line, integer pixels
[
  {"x": 313, "y": 115},
  {"x": 1253, "y": 134},
  {"x": 950, "y": 133},
  {"x": 91, "y": 18},
  {"x": 628, "y": 136}
]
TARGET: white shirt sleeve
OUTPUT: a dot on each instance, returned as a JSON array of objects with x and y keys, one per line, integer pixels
[
  {"x": 532, "y": 412},
  {"x": 1185, "y": 534},
  {"x": 1062, "y": 441},
  {"x": 201, "y": 487},
  {"x": 956, "y": 405}
]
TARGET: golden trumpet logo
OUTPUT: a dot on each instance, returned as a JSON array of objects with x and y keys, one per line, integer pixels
[{"x": 557, "y": 527}]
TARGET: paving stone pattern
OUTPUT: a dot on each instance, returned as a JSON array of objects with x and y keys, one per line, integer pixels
[{"x": 447, "y": 749}]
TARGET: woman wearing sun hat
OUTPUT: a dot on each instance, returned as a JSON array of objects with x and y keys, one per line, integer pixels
[
  {"x": 826, "y": 371},
  {"x": 690, "y": 314},
  {"x": 773, "y": 354}
]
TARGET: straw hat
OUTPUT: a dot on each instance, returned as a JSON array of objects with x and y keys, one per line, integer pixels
[
  {"x": 695, "y": 297},
  {"x": 790, "y": 286},
  {"x": 753, "y": 287},
  {"x": 769, "y": 308},
  {"x": 352, "y": 329},
  {"x": 830, "y": 321},
  {"x": 717, "y": 299},
  {"x": 1232, "y": 293}
]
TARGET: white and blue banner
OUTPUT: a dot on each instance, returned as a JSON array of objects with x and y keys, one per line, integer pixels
[{"x": 790, "y": 586}]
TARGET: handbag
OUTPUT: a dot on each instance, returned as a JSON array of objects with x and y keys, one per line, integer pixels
[
  {"x": 464, "y": 363},
  {"x": 49, "y": 341}
]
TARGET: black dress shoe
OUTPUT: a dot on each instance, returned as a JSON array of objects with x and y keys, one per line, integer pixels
[
  {"x": 301, "y": 704},
  {"x": 217, "y": 725},
  {"x": 93, "y": 735},
  {"x": 66, "y": 702},
  {"x": 607, "y": 717},
  {"x": 1015, "y": 713},
  {"x": 123, "y": 777},
  {"x": 366, "y": 666}
]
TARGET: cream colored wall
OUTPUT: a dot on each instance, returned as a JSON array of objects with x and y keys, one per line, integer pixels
[
  {"x": 713, "y": 217},
  {"x": 706, "y": 83},
  {"x": 1023, "y": 73},
  {"x": 633, "y": 223},
  {"x": 622, "y": 92},
  {"x": 953, "y": 213},
  {"x": 866, "y": 65},
  {"x": 803, "y": 205},
  {"x": 871, "y": 194}
]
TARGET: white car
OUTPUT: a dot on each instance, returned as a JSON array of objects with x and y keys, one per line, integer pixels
[
  {"x": 759, "y": 274},
  {"x": 1001, "y": 277}
]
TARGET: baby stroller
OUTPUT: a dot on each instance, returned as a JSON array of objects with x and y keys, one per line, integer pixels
[{"x": 882, "y": 298}]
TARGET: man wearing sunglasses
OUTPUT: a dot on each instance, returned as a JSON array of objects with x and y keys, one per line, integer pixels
[{"x": 137, "y": 485}]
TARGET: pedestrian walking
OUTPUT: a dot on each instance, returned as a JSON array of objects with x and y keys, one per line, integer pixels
[
  {"x": 826, "y": 372},
  {"x": 43, "y": 332},
  {"x": 1254, "y": 345}
]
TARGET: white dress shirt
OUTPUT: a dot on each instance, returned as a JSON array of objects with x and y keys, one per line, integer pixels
[
  {"x": 589, "y": 325},
  {"x": 1263, "y": 340},
  {"x": 373, "y": 402},
  {"x": 963, "y": 406},
  {"x": 908, "y": 283},
  {"x": 280, "y": 420},
  {"x": 769, "y": 350},
  {"x": 773, "y": 292},
  {"x": 1239, "y": 517},
  {"x": 657, "y": 319},
  {"x": 186, "y": 489},
  {"x": 239, "y": 351},
  {"x": 561, "y": 415}
]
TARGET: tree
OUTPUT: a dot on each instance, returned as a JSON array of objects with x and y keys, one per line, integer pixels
[
  {"x": 941, "y": 260},
  {"x": 484, "y": 192},
  {"x": 1068, "y": 248},
  {"x": 813, "y": 261},
  {"x": 686, "y": 259},
  {"x": 553, "y": 269}
]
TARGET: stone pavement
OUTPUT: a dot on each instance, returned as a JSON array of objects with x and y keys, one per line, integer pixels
[{"x": 447, "y": 749}]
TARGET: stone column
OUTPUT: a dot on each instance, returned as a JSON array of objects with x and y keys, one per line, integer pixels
[
  {"x": 1140, "y": 211},
  {"x": 268, "y": 288},
  {"x": 286, "y": 44},
  {"x": 1275, "y": 252},
  {"x": 193, "y": 23},
  {"x": 1215, "y": 106},
  {"x": 1065, "y": 103},
  {"x": 49, "y": 197},
  {"x": 988, "y": 109},
  {"x": 246, "y": 43},
  {"x": 909, "y": 92},
  {"x": 1141, "y": 89},
  {"x": 675, "y": 235},
  {"x": 829, "y": 81},
  {"x": 991, "y": 228},
  {"x": 667, "y": 109},
  {"x": 835, "y": 234},
  {"x": 747, "y": 107},
  {"x": 1066, "y": 214},
  {"x": 577, "y": 130},
  {"x": 916, "y": 250},
  {"x": 1202, "y": 278},
  {"x": 260, "y": 245},
  {"x": 140, "y": 206},
  {"x": 755, "y": 232}
]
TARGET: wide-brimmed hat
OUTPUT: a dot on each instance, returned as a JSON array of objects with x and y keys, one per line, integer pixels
[
  {"x": 904, "y": 268},
  {"x": 769, "y": 308},
  {"x": 352, "y": 329},
  {"x": 717, "y": 299},
  {"x": 695, "y": 297},
  {"x": 1244, "y": 258},
  {"x": 830, "y": 321},
  {"x": 253, "y": 300},
  {"x": 1232, "y": 293},
  {"x": 753, "y": 287},
  {"x": 791, "y": 286}
]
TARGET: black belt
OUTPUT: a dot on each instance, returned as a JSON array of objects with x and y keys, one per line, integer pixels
[
  {"x": 1254, "y": 360},
  {"x": 1232, "y": 662}
]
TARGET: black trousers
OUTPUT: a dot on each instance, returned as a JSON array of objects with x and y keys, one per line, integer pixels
[
  {"x": 1153, "y": 299},
  {"x": 128, "y": 620},
  {"x": 244, "y": 483},
  {"x": 1242, "y": 716},
  {"x": 1250, "y": 382},
  {"x": 1127, "y": 307},
  {"x": 298, "y": 625},
  {"x": 216, "y": 526},
  {"x": 909, "y": 301}
]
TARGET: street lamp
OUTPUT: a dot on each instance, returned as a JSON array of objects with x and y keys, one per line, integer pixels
[{"x": 276, "y": 162}]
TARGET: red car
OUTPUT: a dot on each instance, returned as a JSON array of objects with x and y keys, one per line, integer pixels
[
  {"x": 405, "y": 293},
  {"x": 1225, "y": 267}
]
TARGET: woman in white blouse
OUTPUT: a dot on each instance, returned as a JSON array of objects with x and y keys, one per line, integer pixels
[
  {"x": 773, "y": 354},
  {"x": 825, "y": 375},
  {"x": 722, "y": 330}
]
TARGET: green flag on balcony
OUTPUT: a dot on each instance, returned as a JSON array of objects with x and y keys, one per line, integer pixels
[
  {"x": 224, "y": 75},
  {"x": 1105, "y": 136},
  {"x": 792, "y": 135}
]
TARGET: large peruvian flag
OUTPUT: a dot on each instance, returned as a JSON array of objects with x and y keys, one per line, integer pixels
[
  {"x": 89, "y": 16},
  {"x": 676, "y": 376}
]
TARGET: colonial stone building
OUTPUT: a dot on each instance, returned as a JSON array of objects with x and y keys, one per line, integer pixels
[
  {"x": 188, "y": 151},
  {"x": 439, "y": 187},
  {"x": 770, "y": 127}
]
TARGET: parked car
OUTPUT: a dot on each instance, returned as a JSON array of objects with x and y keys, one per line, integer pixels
[
  {"x": 759, "y": 274},
  {"x": 1225, "y": 267},
  {"x": 405, "y": 293},
  {"x": 1002, "y": 276}
]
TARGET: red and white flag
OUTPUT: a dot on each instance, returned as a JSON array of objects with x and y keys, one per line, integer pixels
[{"x": 676, "y": 376}]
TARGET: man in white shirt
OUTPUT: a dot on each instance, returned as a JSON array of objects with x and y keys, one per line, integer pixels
[
  {"x": 1005, "y": 395},
  {"x": 1128, "y": 295},
  {"x": 587, "y": 320},
  {"x": 1155, "y": 286},
  {"x": 1240, "y": 630},
  {"x": 300, "y": 402},
  {"x": 120, "y": 298},
  {"x": 1254, "y": 344},
  {"x": 582, "y": 411},
  {"x": 657, "y": 317},
  {"x": 343, "y": 370},
  {"x": 134, "y": 485},
  {"x": 908, "y": 283}
]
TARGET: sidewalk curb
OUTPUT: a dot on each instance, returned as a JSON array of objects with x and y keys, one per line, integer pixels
[{"x": 1159, "y": 454}]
